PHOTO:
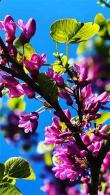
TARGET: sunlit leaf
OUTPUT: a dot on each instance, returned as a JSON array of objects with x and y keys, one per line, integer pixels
[
  {"x": 81, "y": 47},
  {"x": 101, "y": 21},
  {"x": 48, "y": 159},
  {"x": 43, "y": 148},
  {"x": 72, "y": 31},
  {"x": 58, "y": 68},
  {"x": 104, "y": 117},
  {"x": 28, "y": 51},
  {"x": 16, "y": 103},
  {"x": 19, "y": 46},
  {"x": 17, "y": 167},
  {"x": 64, "y": 60}
]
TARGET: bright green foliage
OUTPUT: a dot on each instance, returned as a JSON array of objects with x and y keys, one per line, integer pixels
[
  {"x": 18, "y": 168},
  {"x": 28, "y": 51},
  {"x": 100, "y": 19},
  {"x": 17, "y": 43},
  {"x": 16, "y": 103},
  {"x": 104, "y": 26},
  {"x": 9, "y": 189},
  {"x": 47, "y": 87},
  {"x": 104, "y": 117},
  {"x": 81, "y": 47},
  {"x": 58, "y": 68},
  {"x": 72, "y": 31}
]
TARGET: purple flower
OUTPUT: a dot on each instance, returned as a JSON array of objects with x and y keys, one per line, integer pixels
[
  {"x": 9, "y": 27},
  {"x": 29, "y": 122},
  {"x": 69, "y": 164},
  {"x": 92, "y": 102},
  {"x": 35, "y": 63},
  {"x": 49, "y": 188},
  {"x": 28, "y": 30},
  {"x": 64, "y": 94},
  {"x": 15, "y": 89},
  {"x": 28, "y": 91},
  {"x": 55, "y": 76},
  {"x": 58, "y": 132}
]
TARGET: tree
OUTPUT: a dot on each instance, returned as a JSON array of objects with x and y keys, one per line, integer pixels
[{"x": 80, "y": 143}]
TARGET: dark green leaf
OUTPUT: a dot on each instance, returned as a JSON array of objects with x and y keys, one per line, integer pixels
[
  {"x": 17, "y": 167},
  {"x": 7, "y": 179},
  {"x": 47, "y": 86},
  {"x": 2, "y": 169}
]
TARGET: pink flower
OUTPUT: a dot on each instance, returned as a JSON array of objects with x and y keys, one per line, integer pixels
[
  {"x": 55, "y": 76},
  {"x": 28, "y": 30},
  {"x": 28, "y": 91},
  {"x": 28, "y": 122},
  {"x": 49, "y": 188},
  {"x": 56, "y": 134},
  {"x": 35, "y": 63},
  {"x": 92, "y": 102},
  {"x": 65, "y": 95},
  {"x": 69, "y": 164},
  {"x": 9, "y": 27},
  {"x": 15, "y": 89}
]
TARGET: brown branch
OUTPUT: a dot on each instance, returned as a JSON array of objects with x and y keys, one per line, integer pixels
[{"x": 24, "y": 77}]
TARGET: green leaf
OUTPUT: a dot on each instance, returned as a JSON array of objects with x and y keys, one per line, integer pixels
[
  {"x": 87, "y": 31},
  {"x": 81, "y": 47},
  {"x": 19, "y": 46},
  {"x": 2, "y": 169},
  {"x": 104, "y": 117},
  {"x": 64, "y": 60},
  {"x": 108, "y": 27},
  {"x": 58, "y": 68},
  {"x": 100, "y": 19},
  {"x": 28, "y": 51},
  {"x": 48, "y": 159},
  {"x": 72, "y": 31},
  {"x": 9, "y": 189},
  {"x": 8, "y": 179},
  {"x": 17, "y": 167},
  {"x": 47, "y": 87},
  {"x": 16, "y": 103}
]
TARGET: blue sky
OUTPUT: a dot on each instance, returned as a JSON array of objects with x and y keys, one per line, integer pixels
[{"x": 45, "y": 12}]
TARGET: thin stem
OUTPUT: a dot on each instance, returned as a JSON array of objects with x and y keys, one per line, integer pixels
[
  {"x": 67, "y": 50},
  {"x": 57, "y": 47}
]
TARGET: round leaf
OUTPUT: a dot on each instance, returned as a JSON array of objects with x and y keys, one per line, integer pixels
[
  {"x": 17, "y": 167},
  {"x": 72, "y": 31}
]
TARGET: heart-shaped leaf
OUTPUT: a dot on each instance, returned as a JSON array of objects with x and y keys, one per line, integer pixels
[
  {"x": 17, "y": 167},
  {"x": 72, "y": 31}
]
